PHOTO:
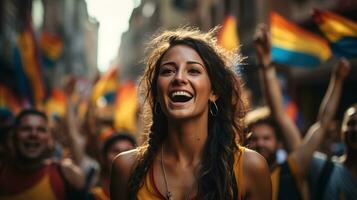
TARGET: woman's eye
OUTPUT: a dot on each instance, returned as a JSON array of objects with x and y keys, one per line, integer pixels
[
  {"x": 194, "y": 71},
  {"x": 166, "y": 71}
]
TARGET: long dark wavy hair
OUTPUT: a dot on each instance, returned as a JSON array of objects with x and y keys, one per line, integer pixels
[{"x": 216, "y": 178}]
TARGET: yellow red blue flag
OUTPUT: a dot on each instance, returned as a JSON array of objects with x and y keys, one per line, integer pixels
[
  {"x": 228, "y": 35},
  {"x": 27, "y": 64},
  {"x": 8, "y": 101},
  {"x": 106, "y": 87},
  {"x": 126, "y": 107},
  {"x": 340, "y": 31},
  {"x": 294, "y": 46}
]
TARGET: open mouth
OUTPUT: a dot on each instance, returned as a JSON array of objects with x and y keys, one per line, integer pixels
[
  {"x": 31, "y": 145},
  {"x": 180, "y": 96}
]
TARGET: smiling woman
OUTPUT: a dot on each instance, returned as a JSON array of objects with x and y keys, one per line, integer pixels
[
  {"x": 183, "y": 84},
  {"x": 193, "y": 113}
]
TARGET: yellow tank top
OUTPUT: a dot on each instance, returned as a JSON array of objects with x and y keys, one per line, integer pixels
[
  {"x": 43, "y": 187},
  {"x": 150, "y": 191}
]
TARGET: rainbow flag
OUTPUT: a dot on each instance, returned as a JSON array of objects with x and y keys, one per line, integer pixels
[
  {"x": 51, "y": 47},
  {"x": 56, "y": 103},
  {"x": 126, "y": 107},
  {"x": 340, "y": 31},
  {"x": 106, "y": 87},
  {"x": 292, "y": 45},
  {"x": 8, "y": 101},
  {"x": 228, "y": 35},
  {"x": 27, "y": 66}
]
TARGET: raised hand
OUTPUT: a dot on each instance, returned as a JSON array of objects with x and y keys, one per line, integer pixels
[
  {"x": 262, "y": 43},
  {"x": 342, "y": 69}
]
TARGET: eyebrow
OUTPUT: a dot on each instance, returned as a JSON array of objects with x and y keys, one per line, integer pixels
[{"x": 188, "y": 62}]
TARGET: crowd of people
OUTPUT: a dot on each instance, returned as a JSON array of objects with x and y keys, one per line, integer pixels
[{"x": 201, "y": 139}]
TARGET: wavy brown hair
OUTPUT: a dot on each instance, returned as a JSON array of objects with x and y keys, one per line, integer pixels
[{"x": 216, "y": 178}]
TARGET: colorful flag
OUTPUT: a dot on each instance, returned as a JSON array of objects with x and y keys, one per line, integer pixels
[
  {"x": 340, "y": 31},
  {"x": 27, "y": 65},
  {"x": 56, "y": 103},
  {"x": 8, "y": 101},
  {"x": 126, "y": 107},
  {"x": 228, "y": 35},
  {"x": 294, "y": 46},
  {"x": 51, "y": 47},
  {"x": 106, "y": 87}
]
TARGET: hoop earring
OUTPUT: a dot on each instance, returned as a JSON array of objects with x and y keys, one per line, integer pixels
[
  {"x": 155, "y": 109},
  {"x": 214, "y": 111}
]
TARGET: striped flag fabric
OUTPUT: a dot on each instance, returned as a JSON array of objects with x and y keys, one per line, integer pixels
[
  {"x": 8, "y": 100},
  {"x": 294, "y": 46},
  {"x": 56, "y": 103},
  {"x": 340, "y": 31},
  {"x": 126, "y": 107},
  {"x": 51, "y": 47},
  {"x": 106, "y": 87},
  {"x": 29, "y": 74},
  {"x": 228, "y": 35}
]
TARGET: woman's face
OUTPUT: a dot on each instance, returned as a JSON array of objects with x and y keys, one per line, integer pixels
[{"x": 183, "y": 84}]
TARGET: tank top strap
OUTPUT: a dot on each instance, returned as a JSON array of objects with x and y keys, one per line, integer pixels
[{"x": 238, "y": 171}]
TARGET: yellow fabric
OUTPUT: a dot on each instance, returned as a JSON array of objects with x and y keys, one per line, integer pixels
[
  {"x": 42, "y": 190},
  {"x": 99, "y": 193},
  {"x": 294, "y": 168},
  {"x": 238, "y": 171},
  {"x": 147, "y": 191},
  {"x": 275, "y": 176}
]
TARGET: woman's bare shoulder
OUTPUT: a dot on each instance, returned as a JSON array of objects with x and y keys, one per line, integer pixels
[
  {"x": 256, "y": 170},
  {"x": 254, "y": 161}
]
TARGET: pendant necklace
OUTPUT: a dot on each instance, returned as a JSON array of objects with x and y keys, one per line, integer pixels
[{"x": 168, "y": 192}]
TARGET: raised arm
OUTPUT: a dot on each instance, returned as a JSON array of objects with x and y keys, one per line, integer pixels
[
  {"x": 77, "y": 142},
  {"x": 272, "y": 91},
  {"x": 315, "y": 134},
  {"x": 329, "y": 104}
]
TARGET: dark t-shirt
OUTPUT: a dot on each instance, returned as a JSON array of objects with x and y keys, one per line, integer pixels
[{"x": 340, "y": 185}]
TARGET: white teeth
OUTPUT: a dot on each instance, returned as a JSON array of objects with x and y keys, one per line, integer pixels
[{"x": 181, "y": 93}]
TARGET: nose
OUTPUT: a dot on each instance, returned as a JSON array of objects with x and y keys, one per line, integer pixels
[
  {"x": 260, "y": 142},
  {"x": 180, "y": 77},
  {"x": 34, "y": 132}
]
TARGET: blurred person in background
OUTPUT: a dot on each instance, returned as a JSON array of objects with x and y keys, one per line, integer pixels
[
  {"x": 194, "y": 114},
  {"x": 337, "y": 179},
  {"x": 332, "y": 146},
  {"x": 115, "y": 144},
  {"x": 288, "y": 178},
  {"x": 6, "y": 119},
  {"x": 31, "y": 173}
]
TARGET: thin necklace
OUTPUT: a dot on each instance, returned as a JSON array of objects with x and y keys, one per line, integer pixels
[{"x": 168, "y": 192}]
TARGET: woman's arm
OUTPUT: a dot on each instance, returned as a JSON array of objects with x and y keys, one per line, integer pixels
[
  {"x": 256, "y": 176},
  {"x": 121, "y": 170}
]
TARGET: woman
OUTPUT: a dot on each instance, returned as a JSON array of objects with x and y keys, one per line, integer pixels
[{"x": 194, "y": 117}]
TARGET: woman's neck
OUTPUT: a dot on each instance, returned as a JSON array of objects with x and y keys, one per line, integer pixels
[{"x": 186, "y": 141}]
